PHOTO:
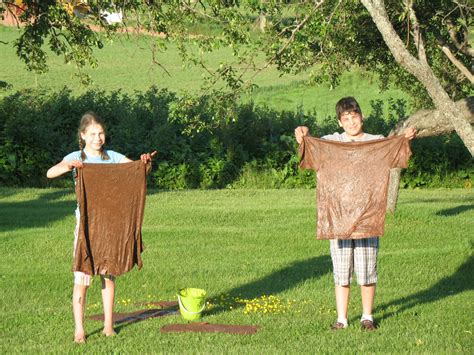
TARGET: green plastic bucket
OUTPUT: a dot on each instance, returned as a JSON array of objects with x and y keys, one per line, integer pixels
[{"x": 192, "y": 302}]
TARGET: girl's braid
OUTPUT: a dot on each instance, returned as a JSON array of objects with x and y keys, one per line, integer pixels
[{"x": 81, "y": 148}]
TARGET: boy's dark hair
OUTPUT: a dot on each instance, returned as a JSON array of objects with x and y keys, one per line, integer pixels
[{"x": 347, "y": 104}]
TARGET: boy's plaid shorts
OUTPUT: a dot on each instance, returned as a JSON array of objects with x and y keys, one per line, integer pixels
[{"x": 359, "y": 255}]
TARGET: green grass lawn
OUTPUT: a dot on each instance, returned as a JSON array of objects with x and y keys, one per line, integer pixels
[
  {"x": 243, "y": 245},
  {"x": 126, "y": 64}
]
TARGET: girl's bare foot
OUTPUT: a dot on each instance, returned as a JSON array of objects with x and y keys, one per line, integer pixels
[
  {"x": 79, "y": 338},
  {"x": 109, "y": 332}
]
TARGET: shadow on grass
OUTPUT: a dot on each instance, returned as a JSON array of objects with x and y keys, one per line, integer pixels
[
  {"x": 408, "y": 201},
  {"x": 455, "y": 210},
  {"x": 122, "y": 320},
  {"x": 276, "y": 282},
  {"x": 462, "y": 280},
  {"x": 36, "y": 213}
]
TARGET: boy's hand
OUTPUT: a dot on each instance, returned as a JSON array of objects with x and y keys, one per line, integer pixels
[
  {"x": 300, "y": 132},
  {"x": 410, "y": 133},
  {"x": 146, "y": 158},
  {"x": 74, "y": 164}
]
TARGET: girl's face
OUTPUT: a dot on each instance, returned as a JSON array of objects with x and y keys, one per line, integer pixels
[{"x": 94, "y": 136}]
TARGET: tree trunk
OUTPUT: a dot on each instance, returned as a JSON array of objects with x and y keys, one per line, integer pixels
[
  {"x": 449, "y": 114},
  {"x": 262, "y": 22},
  {"x": 428, "y": 123}
]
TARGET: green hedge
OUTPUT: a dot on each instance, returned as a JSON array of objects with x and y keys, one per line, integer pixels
[{"x": 198, "y": 145}]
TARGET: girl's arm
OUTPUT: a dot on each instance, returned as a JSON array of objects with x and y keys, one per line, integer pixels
[
  {"x": 146, "y": 158},
  {"x": 62, "y": 168}
]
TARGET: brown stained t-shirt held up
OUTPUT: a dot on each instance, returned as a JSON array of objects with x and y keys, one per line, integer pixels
[
  {"x": 352, "y": 183},
  {"x": 111, "y": 200}
]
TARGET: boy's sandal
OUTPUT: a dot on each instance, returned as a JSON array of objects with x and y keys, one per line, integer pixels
[
  {"x": 338, "y": 326},
  {"x": 368, "y": 325}
]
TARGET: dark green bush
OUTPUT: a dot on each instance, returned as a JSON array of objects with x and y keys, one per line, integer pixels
[{"x": 201, "y": 143}]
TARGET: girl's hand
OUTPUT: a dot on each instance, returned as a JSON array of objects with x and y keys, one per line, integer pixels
[
  {"x": 146, "y": 158},
  {"x": 410, "y": 133},
  {"x": 75, "y": 164}
]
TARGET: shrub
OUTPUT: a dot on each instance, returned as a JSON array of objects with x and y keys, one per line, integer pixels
[{"x": 201, "y": 142}]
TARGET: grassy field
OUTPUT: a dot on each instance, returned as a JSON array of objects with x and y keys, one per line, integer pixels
[
  {"x": 126, "y": 64},
  {"x": 243, "y": 246}
]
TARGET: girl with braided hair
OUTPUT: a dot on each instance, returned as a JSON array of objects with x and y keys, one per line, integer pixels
[{"x": 91, "y": 136}]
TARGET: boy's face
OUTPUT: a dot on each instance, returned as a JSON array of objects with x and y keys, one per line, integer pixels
[{"x": 351, "y": 122}]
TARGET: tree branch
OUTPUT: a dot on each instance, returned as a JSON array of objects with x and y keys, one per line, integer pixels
[
  {"x": 200, "y": 13},
  {"x": 416, "y": 31},
  {"x": 433, "y": 123},
  {"x": 461, "y": 47},
  {"x": 156, "y": 62},
  {"x": 288, "y": 42},
  {"x": 465, "y": 71},
  {"x": 377, "y": 11},
  {"x": 447, "y": 49}
]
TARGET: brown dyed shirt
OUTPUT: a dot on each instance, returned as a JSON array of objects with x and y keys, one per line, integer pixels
[
  {"x": 111, "y": 200},
  {"x": 352, "y": 183}
]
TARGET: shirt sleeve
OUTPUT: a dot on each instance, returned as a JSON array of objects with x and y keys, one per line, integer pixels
[
  {"x": 336, "y": 137},
  {"x": 115, "y": 157},
  {"x": 400, "y": 153},
  {"x": 310, "y": 157},
  {"x": 73, "y": 156}
]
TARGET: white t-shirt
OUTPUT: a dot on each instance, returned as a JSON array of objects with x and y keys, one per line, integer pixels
[{"x": 343, "y": 137}]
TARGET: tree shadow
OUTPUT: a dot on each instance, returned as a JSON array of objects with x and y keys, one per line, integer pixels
[
  {"x": 276, "y": 282},
  {"x": 47, "y": 208},
  {"x": 462, "y": 280},
  {"x": 4, "y": 85},
  {"x": 408, "y": 201},
  {"x": 123, "y": 320},
  {"x": 455, "y": 210}
]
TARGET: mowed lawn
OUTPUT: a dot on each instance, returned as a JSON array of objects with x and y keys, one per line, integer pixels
[
  {"x": 126, "y": 64},
  {"x": 255, "y": 253}
]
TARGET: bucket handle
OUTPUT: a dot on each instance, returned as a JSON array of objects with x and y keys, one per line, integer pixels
[{"x": 181, "y": 305}]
